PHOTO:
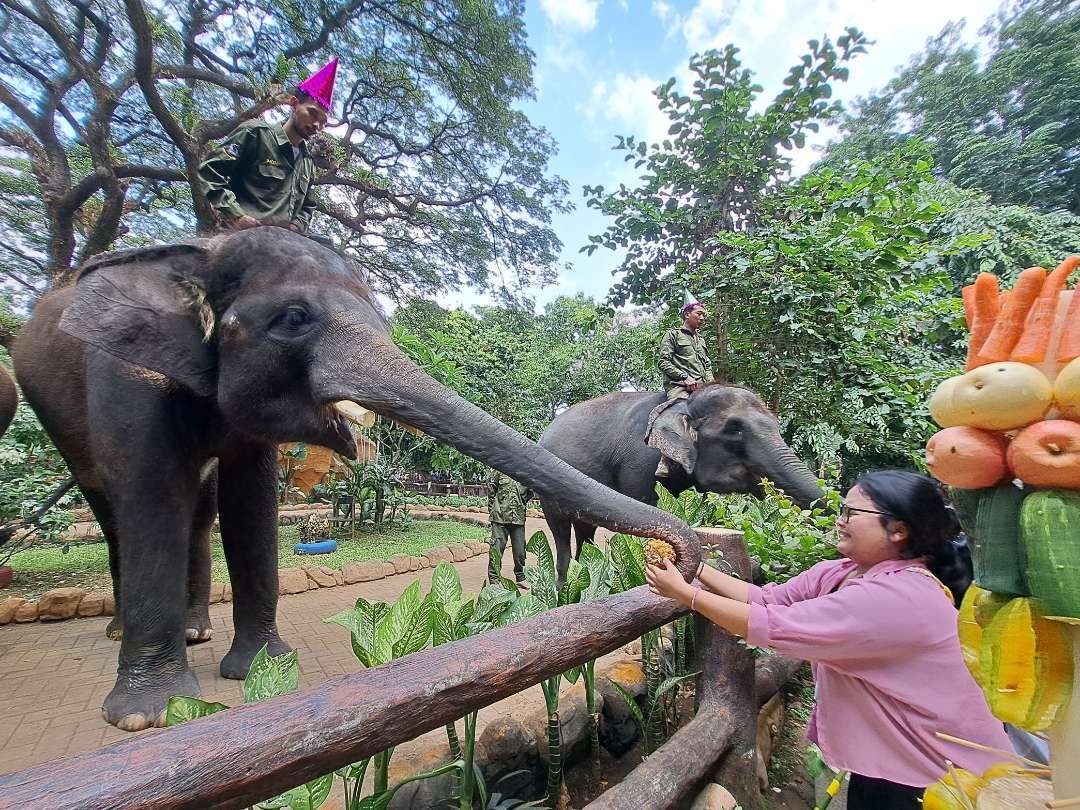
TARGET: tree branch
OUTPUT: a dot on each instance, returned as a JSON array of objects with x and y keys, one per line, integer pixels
[{"x": 330, "y": 24}]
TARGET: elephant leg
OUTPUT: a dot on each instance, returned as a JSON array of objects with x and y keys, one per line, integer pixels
[
  {"x": 247, "y": 511},
  {"x": 198, "y": 627},
  {"x": 99, "y": 505},
  {"x": 583, "y": 533},
  {"x": 560, "y": 526},
  {"x": 154, "y": 512}
]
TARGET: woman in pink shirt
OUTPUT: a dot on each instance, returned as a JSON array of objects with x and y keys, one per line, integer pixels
[{"x": 879, "y": 629}]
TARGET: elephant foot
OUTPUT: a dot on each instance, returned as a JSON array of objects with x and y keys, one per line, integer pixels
[
  {"x": 237, "y": 661},
  {"x": 135, "y": 704},
  {"x": 198, "y": 626},
  {"x": 115, "y": 630}
]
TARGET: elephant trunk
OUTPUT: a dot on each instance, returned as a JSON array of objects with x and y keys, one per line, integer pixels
[
  {"x": 787, "y": 471},
  {"x": 370, "y": 370}
]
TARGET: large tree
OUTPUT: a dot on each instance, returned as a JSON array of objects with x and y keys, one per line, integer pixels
[
  {"x": 1002, "y": 117},
  {"x": 429, "y": 175}
]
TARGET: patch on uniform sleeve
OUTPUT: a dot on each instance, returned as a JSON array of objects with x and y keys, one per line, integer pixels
[{"x": 232, "y": 150}]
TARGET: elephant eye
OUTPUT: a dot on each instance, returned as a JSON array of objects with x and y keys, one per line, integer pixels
[{"x": 293, "y": 322}]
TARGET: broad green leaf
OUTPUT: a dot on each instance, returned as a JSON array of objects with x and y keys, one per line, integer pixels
[
  {"x": 539, "y": 546},
  {"x": 445, "y": 584},
  {"x": 417, "y": 631},
  {"x": 442, "y": 626},
  {"x": 396, "y": 623},
  {"x": 523, "y": 608},
  {"x": 272, "y": 676},
  {"x": 355, "y": 771},
  {"x": 491, "y": 602},
  {"x": 577, "y": 579},
  {"x": 309, "y": 796},
  {"x": 572, "y": 675},
  {"x": 542, "y": 585},
  {"x": 180, "y": 709},
  {"x": 596, "y": 562}
]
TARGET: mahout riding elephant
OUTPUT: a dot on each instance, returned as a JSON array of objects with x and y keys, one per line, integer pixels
[
  {"x": 722, "y": 437},
  {"x": 168, "y": 375},
  {"x": 9, "y": 400}
]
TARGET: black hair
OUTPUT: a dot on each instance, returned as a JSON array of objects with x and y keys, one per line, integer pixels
[
  {"x": 302, "y": 95},
  {"x": 916, "y": 501}
]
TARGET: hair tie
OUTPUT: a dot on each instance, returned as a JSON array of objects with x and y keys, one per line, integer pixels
[{"x": 694, "y": 599}]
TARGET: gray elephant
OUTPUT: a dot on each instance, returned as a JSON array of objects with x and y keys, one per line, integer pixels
[
  {"x": 160, "y": 363},
  {"x": 722, "y": 437}
]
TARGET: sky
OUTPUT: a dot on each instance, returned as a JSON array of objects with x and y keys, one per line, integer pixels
[{"x": 598, "y": 62}]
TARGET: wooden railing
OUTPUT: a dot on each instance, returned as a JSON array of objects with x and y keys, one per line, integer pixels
[{"x": 253, "y": 752}]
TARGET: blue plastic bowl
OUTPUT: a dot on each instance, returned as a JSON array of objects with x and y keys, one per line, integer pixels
[{"x": 318, "y": 547}]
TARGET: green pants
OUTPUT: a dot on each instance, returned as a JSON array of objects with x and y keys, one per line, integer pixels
[{"x": 516, "y": 533}]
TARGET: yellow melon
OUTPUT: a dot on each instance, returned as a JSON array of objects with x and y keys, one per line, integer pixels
[
  {"x": 1067, "y": 391},
  {"x": 941, "y": 405},
  {"x": 1001, "y": 396}
]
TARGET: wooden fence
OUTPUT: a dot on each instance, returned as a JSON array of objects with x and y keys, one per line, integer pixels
[{"x": 253, "y": 752}]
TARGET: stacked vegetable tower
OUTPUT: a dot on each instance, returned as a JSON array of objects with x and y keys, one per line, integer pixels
[{"x": 1010, "y": 451}]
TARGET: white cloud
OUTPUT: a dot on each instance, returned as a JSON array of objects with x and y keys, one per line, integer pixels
[
  {"x": 579, "y": 15},
  {"x": 662, "y": 10},
  {"x": 628, "y": 103}
]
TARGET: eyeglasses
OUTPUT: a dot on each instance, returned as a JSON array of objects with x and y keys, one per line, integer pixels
[{"x": 846, "y": 512}]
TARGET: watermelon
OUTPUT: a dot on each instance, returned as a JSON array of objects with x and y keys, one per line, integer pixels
[{"x": 1050, "y": 532}]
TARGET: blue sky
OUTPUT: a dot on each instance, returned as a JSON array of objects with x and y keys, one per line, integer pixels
[{"x": 598, "y": 61}]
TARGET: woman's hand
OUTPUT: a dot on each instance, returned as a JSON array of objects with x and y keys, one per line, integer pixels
[{"x": 666, "y": 580}]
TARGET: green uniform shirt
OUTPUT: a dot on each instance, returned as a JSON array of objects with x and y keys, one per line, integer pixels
[
  {"x": 254, "y": 172},
  {"x": 507, "y": 499},
  {"x": 682, "y": 355}
]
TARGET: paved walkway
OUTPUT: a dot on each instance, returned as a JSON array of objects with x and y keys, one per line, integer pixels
[{"x": 56, "y": 676}]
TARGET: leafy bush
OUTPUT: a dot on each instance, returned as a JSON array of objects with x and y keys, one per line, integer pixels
[{"x": 785, "y": 538}]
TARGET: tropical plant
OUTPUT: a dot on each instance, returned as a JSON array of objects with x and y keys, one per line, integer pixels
[
  {"x": 288, "y": 466},
  {"x": 382, "y": 632},
  {"x": 267, "y": 677}
]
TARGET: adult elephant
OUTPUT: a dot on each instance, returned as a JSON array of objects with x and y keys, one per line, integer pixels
[
  {"x": 722, "y": 437},
  {"x": 160, "y": 361},
  {"x": 9, "y": 400}
]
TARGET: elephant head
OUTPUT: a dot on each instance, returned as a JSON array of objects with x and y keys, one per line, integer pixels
[
  {"x": 727, "y": 441},
  {"x": 277, "y": 330}
]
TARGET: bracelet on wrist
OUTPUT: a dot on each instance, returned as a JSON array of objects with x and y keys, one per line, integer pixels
[
  {"x": 700, "y": 568},
  {"x": 693, "y": 599}
]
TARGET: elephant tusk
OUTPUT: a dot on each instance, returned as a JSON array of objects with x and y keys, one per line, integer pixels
[{"x": 355, "y": 413}]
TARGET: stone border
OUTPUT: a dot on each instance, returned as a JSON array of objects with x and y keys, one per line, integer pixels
[{"x": 69, "y": 603}]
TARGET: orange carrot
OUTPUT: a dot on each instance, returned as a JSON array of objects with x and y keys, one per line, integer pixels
[
  {"x": 984, "y": 311},
  {"x": 969, "y": 304},
  {"x": 1069, "y": 346},
  {"x": 1033, "y": 343},
  {"x": 1010, "y": 323}
]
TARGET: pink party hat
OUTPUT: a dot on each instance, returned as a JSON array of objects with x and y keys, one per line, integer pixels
[{"x": 320, "y": 85}]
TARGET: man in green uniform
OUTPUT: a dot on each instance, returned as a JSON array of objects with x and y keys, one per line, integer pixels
[
  {"x": 261, "y": 174},
  {"x": 506, "y": 508},
  {"x": 684, "y": 361}
]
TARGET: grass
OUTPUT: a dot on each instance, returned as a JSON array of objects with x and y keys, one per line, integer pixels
[{"x": 87, "y": 565}]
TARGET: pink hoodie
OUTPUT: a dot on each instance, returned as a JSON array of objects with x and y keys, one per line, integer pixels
[{"x": 887, "y": 667}]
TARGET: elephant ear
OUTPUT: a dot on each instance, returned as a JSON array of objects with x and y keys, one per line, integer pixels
[
  {"x": 671, "y": 433},
  {"x": 147, "y": 307}
]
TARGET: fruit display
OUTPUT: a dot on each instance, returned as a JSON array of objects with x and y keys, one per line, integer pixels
[
  {"x": 1005, "y": 786},
  {"x": 1009, "y": 449}
]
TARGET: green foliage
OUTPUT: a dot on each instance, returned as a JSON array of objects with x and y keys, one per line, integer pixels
[
  {"x": 30, "y": 470},
  {"x": 721, "y": 158},
  {"x": 782, "y": 536},
  {"x": 525, "y": 368},
  {"x": 268, "y": 676},
  {"x": 1001, "y": 117}
]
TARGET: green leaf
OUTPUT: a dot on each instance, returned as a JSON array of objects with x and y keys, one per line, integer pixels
[
  {"x": 355, "y": 771},
  {"x": 180, "y": 709},
  {"x": 417, "y": 631},
  {"x": 445, "y": 584},
  {"x": 523, "y": 608},
  {"x": 667, "y": 685},
  {"x": 596, "y": 562},
  {"x": 491, "y": 602},
  {"x": 270, "y": 676},
  {"x": 577, "y": 580},
  {"x": 309, "y": 796},
  {"x": 631, "y": 704},
  {"x": 396, "y": 623}
]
